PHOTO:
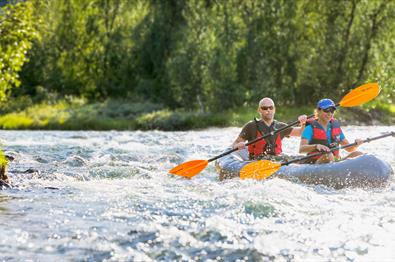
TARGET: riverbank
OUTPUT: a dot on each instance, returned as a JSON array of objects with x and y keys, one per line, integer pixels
[{"x": 77, "y": 114}]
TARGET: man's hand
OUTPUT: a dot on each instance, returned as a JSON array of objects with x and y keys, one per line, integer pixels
[
  {"x": 239, "y": 145},
  {"x": 322, "y": 148},
  {"x": 302, "y": 119}
]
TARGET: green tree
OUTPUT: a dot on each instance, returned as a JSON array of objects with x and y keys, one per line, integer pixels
[
  {"x": 335, "y": 45},
  {"x": 86, "y": 47},
  {"x": 16, "y": 35},
  {"x": 267, "y": 60},
  {"x": 206, "y": 55}
]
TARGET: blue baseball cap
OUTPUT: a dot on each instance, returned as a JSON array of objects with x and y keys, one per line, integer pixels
[{"x": 325, "y": 103}]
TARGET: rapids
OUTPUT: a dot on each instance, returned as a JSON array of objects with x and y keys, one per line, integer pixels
[{"x": 106, "y": 196}]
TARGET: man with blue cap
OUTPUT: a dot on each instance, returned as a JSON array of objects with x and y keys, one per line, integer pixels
[{"x": 324, "y": 133}]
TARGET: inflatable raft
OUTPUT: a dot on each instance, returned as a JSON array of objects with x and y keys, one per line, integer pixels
[{"x": 363, "y": 171}]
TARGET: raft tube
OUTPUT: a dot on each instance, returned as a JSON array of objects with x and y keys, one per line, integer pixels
[{"x": 363, "y": 171}]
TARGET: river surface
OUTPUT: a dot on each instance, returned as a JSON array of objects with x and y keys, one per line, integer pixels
[{"x": 106, "y": 196}]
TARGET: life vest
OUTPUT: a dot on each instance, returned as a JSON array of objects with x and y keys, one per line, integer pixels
[
  {"x": 319, "y": 136},
  {"x": 268, "y": 146}
]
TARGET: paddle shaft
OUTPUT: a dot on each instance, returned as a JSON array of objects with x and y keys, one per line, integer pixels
[
  {"x": 336, "y": 148},
  {"x": 260, "y": 138}
]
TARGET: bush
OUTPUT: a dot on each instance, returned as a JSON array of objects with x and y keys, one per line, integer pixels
[{"x": 178, "y": 120}]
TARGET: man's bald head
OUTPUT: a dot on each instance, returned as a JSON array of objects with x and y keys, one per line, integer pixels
[
  {"x": 266, "y": 109},
  {"x": 266, "y": 101}
]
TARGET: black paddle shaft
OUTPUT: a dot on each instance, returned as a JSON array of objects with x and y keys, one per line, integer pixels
[
  {"x": 260, "y": 138},
  {"x": 337, "y": 148}
]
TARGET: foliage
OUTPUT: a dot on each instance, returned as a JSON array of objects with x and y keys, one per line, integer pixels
[
  {"x": 16, "y": 34},
  {"x": 206, "y": 56},
  {"x": 77, "y": 114},
  {"x": 118, "y": 114},
  {"x": 3, "y": 160}
]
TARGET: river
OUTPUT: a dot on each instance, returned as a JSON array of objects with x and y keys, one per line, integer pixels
[{"x": 106, "y": 196}]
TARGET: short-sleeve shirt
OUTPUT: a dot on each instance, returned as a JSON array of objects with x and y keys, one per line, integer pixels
[
  {"x": 308, "y": 133},
  {"x": 249, "y": 130}
]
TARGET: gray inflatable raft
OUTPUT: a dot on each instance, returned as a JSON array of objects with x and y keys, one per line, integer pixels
[{"x": 363, "y": 171}]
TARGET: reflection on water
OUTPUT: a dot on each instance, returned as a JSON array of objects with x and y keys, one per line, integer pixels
[{"x": 107, "y": 196}]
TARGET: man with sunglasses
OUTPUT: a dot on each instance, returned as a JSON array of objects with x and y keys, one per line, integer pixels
[
  {"x": 270, "y": 147},
  {"x": 324, "y": 133}
]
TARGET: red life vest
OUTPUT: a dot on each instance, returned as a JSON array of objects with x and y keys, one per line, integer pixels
[
  {"x": 319, "y": 136},
  {"x": 268, "y": 146}
]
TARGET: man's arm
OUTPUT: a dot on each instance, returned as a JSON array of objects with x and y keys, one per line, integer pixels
[
  {"x": 297, "y": 131},
  {"x": 239, "y": 143},
  {"x": 306, "y": 148},
  {"x": 245, "y": 135},
  {"x": 352, "y": 148}
]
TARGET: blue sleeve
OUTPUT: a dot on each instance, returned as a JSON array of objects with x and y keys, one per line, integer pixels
[
  {"x": 342, "y": 137},
  {"x": 308, "y": 133}
]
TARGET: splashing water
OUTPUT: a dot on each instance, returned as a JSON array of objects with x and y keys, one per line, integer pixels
[{"x": 107, "y": 196}]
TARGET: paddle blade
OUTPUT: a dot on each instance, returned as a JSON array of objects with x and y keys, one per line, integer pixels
[
  {"x": 360, "y": 95},
  {"x": 259, "y": 170},
  {"x": 189, "y": 169}
]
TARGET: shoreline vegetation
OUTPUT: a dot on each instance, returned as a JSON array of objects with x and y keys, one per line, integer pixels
[
  {"x": 116, "y": 114},
  {"x": 188, "y": 64},
  {"x": 182, "y": 65}
]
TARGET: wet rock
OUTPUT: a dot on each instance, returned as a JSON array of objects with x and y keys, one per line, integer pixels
[
  {"x": 31, "y": 171},
  {"x": 78, "y": 137},
  {"x": 10, "y": 158},
  {"x": 75, "y": 161},
  {"x": 4, "y": 184},
  {"x": 132, "y": 232},
  {"x": 4, "y": 181},
  {"x": 3, "y": 174},
  {"x": 52, "y": 188},
  {"x": 41, "y": 160}
]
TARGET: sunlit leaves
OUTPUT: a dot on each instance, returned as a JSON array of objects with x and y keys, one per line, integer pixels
[
  {"x": 208, "y": 55},
  {"x": 16, "y": 34}
]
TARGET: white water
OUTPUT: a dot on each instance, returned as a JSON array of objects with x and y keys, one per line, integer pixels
[{"x": 97, "y": 196}]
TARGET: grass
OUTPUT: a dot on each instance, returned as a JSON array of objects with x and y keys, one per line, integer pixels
[{"x": 77, "y": 114}]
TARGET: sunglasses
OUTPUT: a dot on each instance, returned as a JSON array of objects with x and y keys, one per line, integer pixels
[
  {"x": 329, "y": 110},
  {"x": 267, "y": 107}
]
